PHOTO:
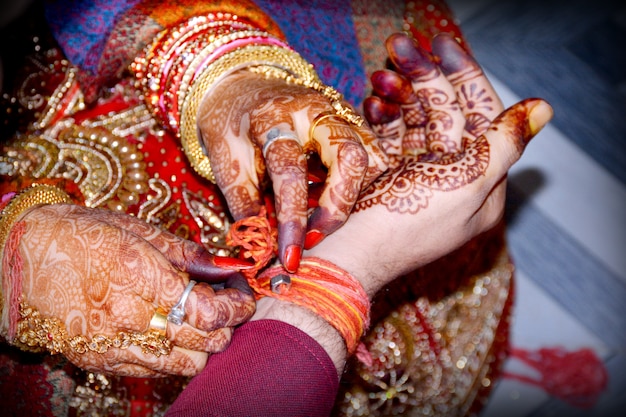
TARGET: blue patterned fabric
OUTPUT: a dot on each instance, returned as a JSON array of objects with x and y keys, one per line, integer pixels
[
  {"x": 323, "y": 32},
  {"x": 82, "y": 27}
]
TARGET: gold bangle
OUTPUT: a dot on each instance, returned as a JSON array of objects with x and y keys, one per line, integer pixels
[
  {"x": 34, "y": 195},
  {"x": 38, "y": 334},
  {"x": 251, "y": 55}
]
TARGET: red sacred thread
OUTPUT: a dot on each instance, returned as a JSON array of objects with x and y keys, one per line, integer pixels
[
  {"x": 318, "y": 285},
  {"x": 577, "y": 377},
  {"x": 12, "y": 265}
]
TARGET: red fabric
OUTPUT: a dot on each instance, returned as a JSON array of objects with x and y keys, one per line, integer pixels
[{"x": 269, "y": 369}]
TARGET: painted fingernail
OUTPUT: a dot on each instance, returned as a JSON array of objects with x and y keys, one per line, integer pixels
[
  {"x": 291, "y": 259},
  {"x": 312, "y": 238},
  {"x": 232, "y": 263},
  {"x": 539, "y": 116},
  {"x": 378, "y": 111}
]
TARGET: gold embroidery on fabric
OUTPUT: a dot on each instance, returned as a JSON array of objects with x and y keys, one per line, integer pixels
[
  {"x": 407, "y": 376},
  {"x": 212, "y": 221}
]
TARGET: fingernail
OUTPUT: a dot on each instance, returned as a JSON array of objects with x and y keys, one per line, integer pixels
[
  {"x": 291, "y": 259},
  {"x": 539, "y": 116},
  {"x": 312, "y": 238},
  {"x": 232, "y": 263}
]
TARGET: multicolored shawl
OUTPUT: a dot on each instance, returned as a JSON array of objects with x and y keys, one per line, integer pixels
[{"x": 101, "y": 36}]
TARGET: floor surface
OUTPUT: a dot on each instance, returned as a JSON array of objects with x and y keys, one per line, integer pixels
[{"x": 567, "y": 195}]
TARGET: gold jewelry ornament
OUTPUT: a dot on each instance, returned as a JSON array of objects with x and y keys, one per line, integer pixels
[
  {"x": 318, "y": 119},
  {"x": 158, "y": 322},
  {"x": 36, "y": 333},
  {"x": 334, "y": 96},
  {"x": 228, "y": 63}
]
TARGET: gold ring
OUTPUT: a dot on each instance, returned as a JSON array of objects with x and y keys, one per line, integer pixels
[
  {"x": 158, "y": 322},
  {"x": 317, "y": 120}
]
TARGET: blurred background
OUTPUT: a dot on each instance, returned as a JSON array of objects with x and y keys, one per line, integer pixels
[{"x": 567, "y": 195}]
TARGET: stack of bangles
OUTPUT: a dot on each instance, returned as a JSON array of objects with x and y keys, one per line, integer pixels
[
  {"x": 174, "y": 73},
  {"x": 177, "y": 70},
  {"x": 185, "y": 62}
]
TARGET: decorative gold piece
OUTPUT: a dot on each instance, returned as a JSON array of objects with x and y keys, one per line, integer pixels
[
  {"x": 318, "y": 119},
  {"x": 334, "y": 96},
  {"x": 158, "y": 322},
  {"x": 38, "y": 334}
]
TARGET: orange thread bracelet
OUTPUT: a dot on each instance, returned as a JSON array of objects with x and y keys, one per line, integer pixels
[{"x": 318, "y": 285}]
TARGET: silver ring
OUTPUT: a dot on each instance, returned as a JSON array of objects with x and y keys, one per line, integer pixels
[
  {"x": 177, "y": 313},
  {"x": 275, "y": 134}
]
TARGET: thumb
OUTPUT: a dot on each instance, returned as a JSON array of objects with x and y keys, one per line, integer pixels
[{"x": 510, "y": 132}]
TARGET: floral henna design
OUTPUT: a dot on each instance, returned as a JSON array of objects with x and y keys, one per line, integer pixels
[
  {"x": 100, "y": 278},
  {"x": 398, "y": 191},
  {"x": 280, "y": 158},
  {"x": 344, "y": 193},
  {"x": 408, "y": 188}
]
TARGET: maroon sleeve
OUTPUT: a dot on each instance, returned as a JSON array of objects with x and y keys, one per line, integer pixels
[{"x": 269, "y": 369}]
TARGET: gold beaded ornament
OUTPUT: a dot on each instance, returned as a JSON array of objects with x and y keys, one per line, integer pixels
[{"x": 38, "y": 334}]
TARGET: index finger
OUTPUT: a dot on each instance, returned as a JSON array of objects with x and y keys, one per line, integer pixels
[{"x": 342, "y": 152}]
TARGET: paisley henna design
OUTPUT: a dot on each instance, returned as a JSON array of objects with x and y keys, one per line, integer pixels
[
  {"x": 408, "y": 188},
  {"x": 100, "y": 272}
]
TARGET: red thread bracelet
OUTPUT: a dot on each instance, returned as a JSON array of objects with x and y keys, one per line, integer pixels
[{"x": 318, "y": 285}]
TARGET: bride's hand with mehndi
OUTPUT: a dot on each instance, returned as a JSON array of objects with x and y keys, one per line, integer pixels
[
  {"x": 257, "y": 129},
  {"x": 104, "y": 285},
  {"x": 454, "y": 144}
]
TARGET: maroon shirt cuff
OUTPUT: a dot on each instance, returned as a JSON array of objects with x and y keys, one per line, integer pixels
[{"x": 269, "y": 369}]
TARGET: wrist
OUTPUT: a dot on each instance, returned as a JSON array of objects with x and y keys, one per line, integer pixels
[{"x": 345, "y": 248}]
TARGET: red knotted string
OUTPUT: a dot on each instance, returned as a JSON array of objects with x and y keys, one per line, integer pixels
[
  {"x": 576, "y": 377},
  {"x": 318, "y": 285}
]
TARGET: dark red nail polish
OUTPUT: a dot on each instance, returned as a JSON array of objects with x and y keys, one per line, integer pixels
[
  {"x": 312, "y": 238},
  {"x": 291, "y": 259},
  {"x": 231, "y": 263}
]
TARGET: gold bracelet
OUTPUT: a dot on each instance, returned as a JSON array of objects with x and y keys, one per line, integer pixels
[
  {"x": 38, "y": 334},
  {"x": 334, "y": 96},
  {"x": 245, "y": 57},
  {"x": 34, "y": 195}
]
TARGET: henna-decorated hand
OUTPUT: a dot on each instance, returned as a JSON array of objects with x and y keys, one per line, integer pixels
[
  {"x": 255, "y": 128},
  {"x": 100, "y": 272},
  {"x": 454, "y": 145}
]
